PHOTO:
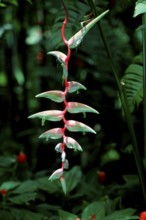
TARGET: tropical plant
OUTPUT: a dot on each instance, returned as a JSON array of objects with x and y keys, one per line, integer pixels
[
  {"x": 99, "y": 184},
  {"x": 71, "y": 107}
]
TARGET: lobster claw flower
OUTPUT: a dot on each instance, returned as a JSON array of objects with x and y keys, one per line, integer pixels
[
  {"x": 76, "y": 107},
  {"x": 76, "y": 39},
  {"x": 54, "y": 133},
  {"x": 60, "y": 56},
  {"x": 54, "y": 95},
  {"x": 51, "y": 115},
  {"x": 56, "y": 175},
  {"x": 72, "y": 144},
  {"x": 74, "y": 126}
]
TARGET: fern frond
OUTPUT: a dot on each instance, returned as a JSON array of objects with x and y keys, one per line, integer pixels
[{"x": 133, "y": 79}]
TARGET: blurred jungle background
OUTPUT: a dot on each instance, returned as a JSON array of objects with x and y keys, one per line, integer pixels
[{"x": 28, "y": 31}]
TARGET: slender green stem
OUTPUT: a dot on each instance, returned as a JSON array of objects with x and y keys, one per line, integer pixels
[
  {"x": 138, "y": 161},
  {"x": 144, "y": 80},
  {"x": 125, "y": 106}
]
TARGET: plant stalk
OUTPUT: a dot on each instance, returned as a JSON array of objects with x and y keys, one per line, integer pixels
[
  {"x": 122, "y": 94},
  {"x": 144, "y": 81}
]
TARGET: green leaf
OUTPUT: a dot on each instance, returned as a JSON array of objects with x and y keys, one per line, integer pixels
[
  {"x": 23, "y": 214},
  {"x": 2, "y": 5},
  {"x": 96, "y": 209},
  {"x": 9, "y": 185},
  {"x": 109, "y": 156},
  {"x": 26, "y": 186},
  {"x": 48, "y": 186},
  {"x": 76, "y": 39},
  {"x": 34, "y": 35},
  {"x": 66, "y": 215},
  {"x": 73, "y": 177},
  {"x": 74, "y": 126},
  {"x": 140, "y": 8},
  {"x": 133, "y": 84},
  {"x": 6, "y": 161},
  {"x": 76, "y": 107},
  {"x": 75, "y": 86},
  {"x": 51, "y": 115},
  {"x": 141, "y": 27},
  {"x": 63, "y": 184},
  {"x": 24, "y": 198},
  {"x": 54, "y": 133},
  {"x": 121, "y": 214},
  {"x": 54, "y": 95}
]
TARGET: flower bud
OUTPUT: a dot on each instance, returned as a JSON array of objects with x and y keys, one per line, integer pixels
[
  {"x": 142, "y": 216},
  {"x": 3, "y": 192},
  {"x": 101, "y": 177},
  {"x": 21, "y": 158}
]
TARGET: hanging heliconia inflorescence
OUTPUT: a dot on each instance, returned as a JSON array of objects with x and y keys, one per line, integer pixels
[{"x": 71, "y": 107}]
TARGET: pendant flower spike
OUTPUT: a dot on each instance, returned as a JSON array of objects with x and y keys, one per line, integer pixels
[{"x": 70, "y": 107}]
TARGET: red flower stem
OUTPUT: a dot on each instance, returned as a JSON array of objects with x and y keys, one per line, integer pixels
[
  {"x": 65, "y": 102},
  {"x": 65, "y": 81},
  {"x": 63, "y": 34},
  {"x": 64, "y": 119}
]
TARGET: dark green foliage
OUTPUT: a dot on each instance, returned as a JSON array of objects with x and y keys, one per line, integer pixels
[
  {"x": 28, "y": 31},
  {"x": 133, "y": 80}
]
